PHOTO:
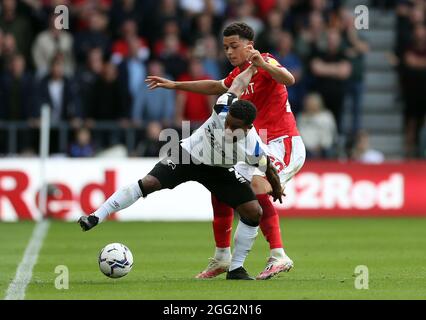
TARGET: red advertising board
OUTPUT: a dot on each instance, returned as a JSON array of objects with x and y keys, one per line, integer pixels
[
  {"x": 320, "y": 189},
  {"x": 353, "y": 189}
]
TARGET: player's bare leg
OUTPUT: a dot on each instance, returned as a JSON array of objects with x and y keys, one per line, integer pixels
[{"x": 278, "y": 261}]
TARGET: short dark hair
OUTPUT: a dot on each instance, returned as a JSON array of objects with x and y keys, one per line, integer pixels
[
  {"x": 239, "y": 29},
  {"x": 243, "y": 110}
]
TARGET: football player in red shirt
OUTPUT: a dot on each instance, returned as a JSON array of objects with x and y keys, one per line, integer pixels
[{"x": 277, "y": 127}]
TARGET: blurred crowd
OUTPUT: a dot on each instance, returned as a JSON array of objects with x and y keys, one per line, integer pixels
[
  {"x": 94, "y": 72},
  {"x": 410, "y": 60}
]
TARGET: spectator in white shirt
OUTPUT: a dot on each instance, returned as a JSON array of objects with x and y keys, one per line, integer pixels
[
  {"x": 317, "y": 127},
  {"x": 48, "y": 44},
  {"x": 363, "y": 152}
]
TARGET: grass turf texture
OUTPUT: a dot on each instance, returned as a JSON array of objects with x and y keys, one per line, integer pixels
[
  {"x": 14, "y": 238},
  {"x": 168, "y": 255}
]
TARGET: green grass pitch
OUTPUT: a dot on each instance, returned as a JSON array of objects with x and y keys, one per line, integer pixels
[{"x": 167, "y": 255}]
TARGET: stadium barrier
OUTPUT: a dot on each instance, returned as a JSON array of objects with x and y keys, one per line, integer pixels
[{"x": 320, "y": 189}]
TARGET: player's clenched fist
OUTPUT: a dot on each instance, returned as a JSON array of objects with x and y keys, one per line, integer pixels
[
  {"x": 254, "y": 56},
  {"x": 158, "y": 82}
]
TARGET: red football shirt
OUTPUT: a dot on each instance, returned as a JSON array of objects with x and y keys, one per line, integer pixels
[
  {"x": 197, "y": 106},
  {"x": 271, "y": 100}
]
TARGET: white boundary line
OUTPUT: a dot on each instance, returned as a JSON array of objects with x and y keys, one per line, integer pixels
[{"x": 24, "y": 273}]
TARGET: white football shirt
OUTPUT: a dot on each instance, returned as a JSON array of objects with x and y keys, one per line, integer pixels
[{"x": 209, "y": 146}]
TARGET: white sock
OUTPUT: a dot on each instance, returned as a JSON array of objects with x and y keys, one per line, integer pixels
[
  {"x": 121, "y": 199},
  {"x": 278, "y": 253},
  {"x": 223, "y": 254},
  {"x": 243, "y": 241}
]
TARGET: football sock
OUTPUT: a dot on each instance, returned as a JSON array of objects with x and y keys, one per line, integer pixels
[
  {"x": 243, "y": 241},
  {"x": 278, "y": 253},
  {"x": 121, "y": 199},
  {"x": 223, "y": 216},
  {"x": 270, "y": 222},
  {"x": 223, "y": 254}
]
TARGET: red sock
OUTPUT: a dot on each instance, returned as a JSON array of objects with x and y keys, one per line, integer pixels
[
  {"x": 270, "y": 222},
  {"x": 223, "y": 216}
]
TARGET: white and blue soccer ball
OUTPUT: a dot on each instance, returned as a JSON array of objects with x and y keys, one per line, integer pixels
[{"x": 115, "y": 260}]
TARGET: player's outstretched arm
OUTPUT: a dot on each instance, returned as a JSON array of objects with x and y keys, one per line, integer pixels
[
  {"x": 241, "y": 82},
  {"x": 209, "y": 87},
  {"x": 274, "y": 180}
]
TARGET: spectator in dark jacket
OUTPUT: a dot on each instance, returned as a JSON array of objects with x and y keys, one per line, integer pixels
[
  {"x": 414, "y": 87},
  {"x": 331, "y": 70},
  {"x": 19, "y": 26},
  {"x": 16, "y": 91},
  {"x": 16, "y": 99},
  {"x": 355, "y": 48},
  {"x": 87, "y": 76},
  {"x": 108, "y": 102},
  {"x": 95, "y": 37},
  {"x": 60, "y": 93}
]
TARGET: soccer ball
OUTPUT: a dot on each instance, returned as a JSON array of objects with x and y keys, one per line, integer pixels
[{"x": 115, "y": 260}]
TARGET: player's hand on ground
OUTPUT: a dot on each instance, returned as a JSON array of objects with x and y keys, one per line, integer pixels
[
  {"x": 154, "y": 82},
  {"x": 254, "y": 56}
]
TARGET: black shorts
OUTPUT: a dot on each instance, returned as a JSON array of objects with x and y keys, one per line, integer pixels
[{"x": 225, "y": 183}]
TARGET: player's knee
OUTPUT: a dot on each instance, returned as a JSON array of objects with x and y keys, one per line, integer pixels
[
  {"x": 149, "y": 184},
  {"x": 260, "y": 185},
  {"x": 251, "y": 214},
  {"x": 258, "y": 212}
]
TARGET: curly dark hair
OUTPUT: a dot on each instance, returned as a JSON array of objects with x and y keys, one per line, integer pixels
[
  {"x": 243, "y": 110},
  {"x": 239, "y": 29}
]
